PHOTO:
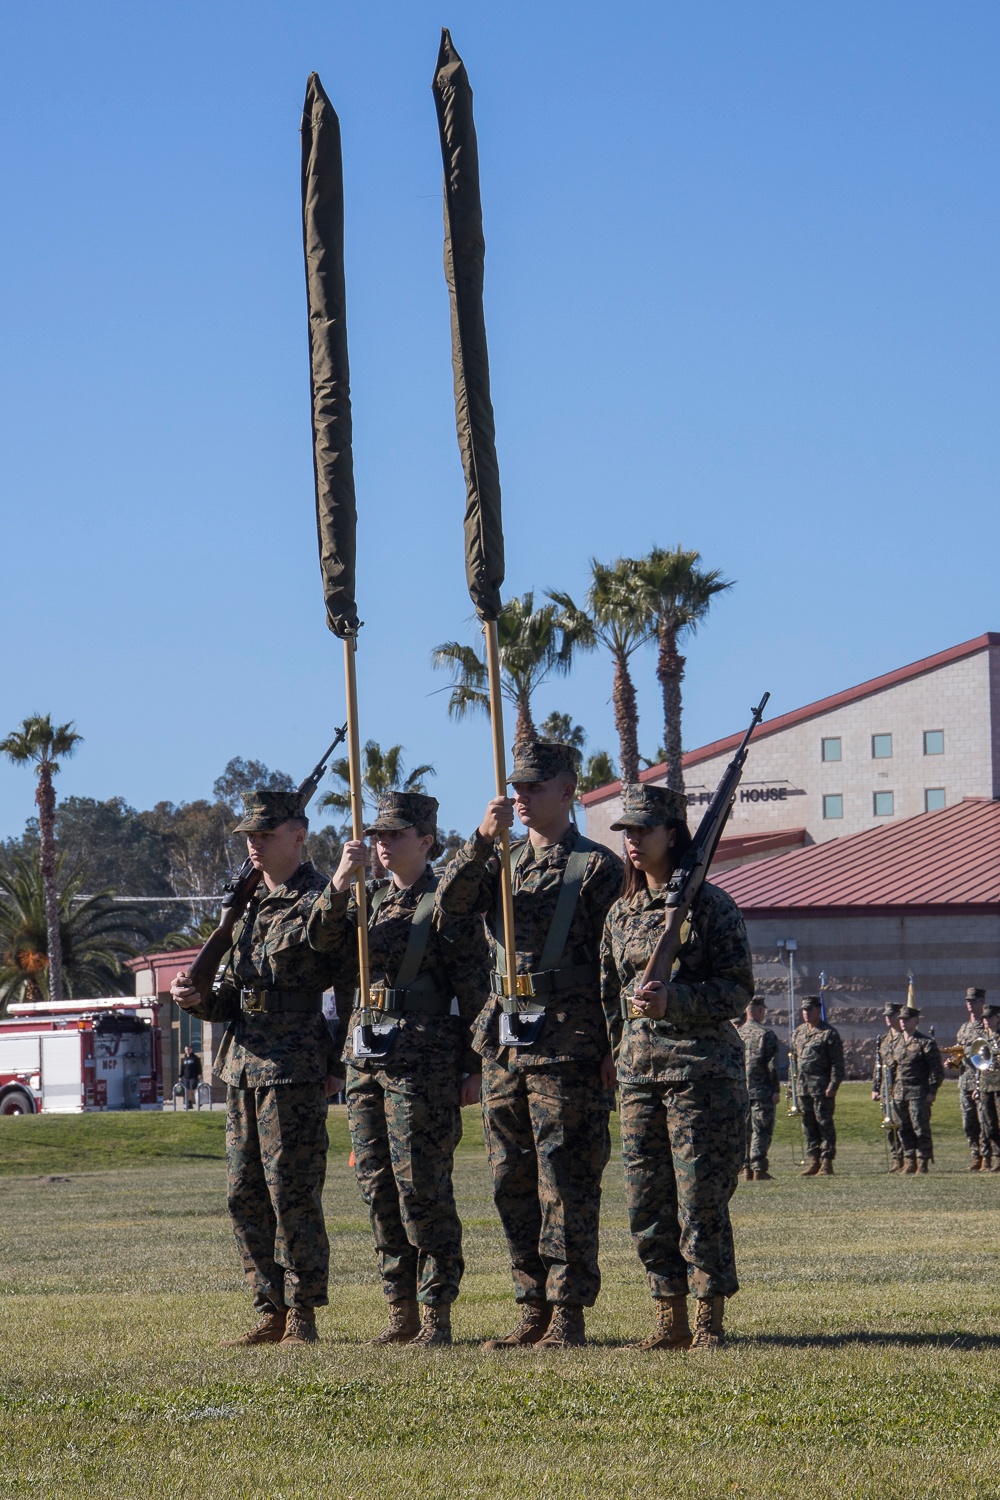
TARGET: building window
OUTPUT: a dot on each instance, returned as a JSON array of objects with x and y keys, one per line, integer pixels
[
  {"x": 934, "y": 799},
  {"x": 833, "y": 806},
  {"x": 830, "y": 749},
  {"x": 882, "y": 804},
  {"x": 934, "y": 742},
  {"x": 881, "y": 746}
]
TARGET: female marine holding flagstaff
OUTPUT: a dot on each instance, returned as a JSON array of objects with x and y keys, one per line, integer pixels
[
  {"x": 406, "y": 1056},
  {"x": 680, "y": 1071}
]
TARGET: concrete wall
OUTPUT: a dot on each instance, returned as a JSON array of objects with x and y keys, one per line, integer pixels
[
  {"x": 785, "y": 778},
  {"x": 866, "y": 960}
]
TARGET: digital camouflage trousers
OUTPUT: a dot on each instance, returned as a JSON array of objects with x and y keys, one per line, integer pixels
[
  {"x": 404, "y": 1131},
  {"x": 913, "y": 1117},
  {"x": 548, "y": 1143},
  {"x": 760, "y": 1129},
  {"x": 276, "y": 1146},
  {"x": 971, "y": 1124},
  {"x": 817, "y": 1125},
  {"x": 683, "y": 1145},
  {"x": 989, "y": 1118}
]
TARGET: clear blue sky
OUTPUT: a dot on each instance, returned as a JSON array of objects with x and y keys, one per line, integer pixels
[{"x": 741, "y": 293}]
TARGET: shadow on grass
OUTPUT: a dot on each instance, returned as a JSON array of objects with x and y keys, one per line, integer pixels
[{"x": 977, "y": 1341}]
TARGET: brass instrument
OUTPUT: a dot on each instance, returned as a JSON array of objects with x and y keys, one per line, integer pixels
[
  {"x": 793, "y": 1085},
  {"x": 983, "y": 1055},
  {"x": 885, "y": 1097}
]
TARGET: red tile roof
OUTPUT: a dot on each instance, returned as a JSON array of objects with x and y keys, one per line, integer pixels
[
  {"x": 810, "y": 711},
  {"x": 940, "y": 859}
]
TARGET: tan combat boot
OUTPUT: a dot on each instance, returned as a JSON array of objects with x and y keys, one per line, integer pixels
[
  {"x": 300, "y": 1327},
  {"x": 534, "y": 1323},
  {"x": 812, "y": 1170},
  {"x": 910, "y": 1166},
  {"x": 747, "y": 1174},
  {"x": 672, "y": 1331},
  {"x": 566, "y": 1330},
  {"x": 270, "y": 1330},
  {"x": 436, "y": 1329},
  {"x": 403, "y": 1324},
  {"x": 995, "y": 1167},
  {"x": 826, "y": 1167},
  {"x": 922, "y": 1165},
  {"x": 974, "y": 1164},
  {"x": 708, "y": 1333},
  {"x": 984, "y": 1164},
  {"x": 762, "y": 1176}
]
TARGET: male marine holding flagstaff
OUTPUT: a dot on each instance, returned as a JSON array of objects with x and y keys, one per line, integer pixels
[
  {"x": 760, "y": 1056},
  {"x": 917, "y": 1074},
  {"x": 278, "y": 1061},
  {"x": 548, "y": 1075},
  {"x": 883, "y": 1060}
]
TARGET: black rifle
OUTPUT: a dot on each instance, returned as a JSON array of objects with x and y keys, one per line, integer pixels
[
  {"x": 238, "y": 890},
  {"x": 689, "y": 876}
]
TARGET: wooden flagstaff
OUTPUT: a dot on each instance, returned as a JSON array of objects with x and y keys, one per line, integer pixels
[
  {"x": 357, "y": 811},
  {"x": 464, "y": 259},
  {"x": 500, "y": 772}
]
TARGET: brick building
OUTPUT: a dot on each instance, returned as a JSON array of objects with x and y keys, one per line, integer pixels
[{"x": 912, "y": 741}]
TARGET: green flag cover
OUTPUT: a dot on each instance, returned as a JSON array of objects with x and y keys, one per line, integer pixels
[
  {"x": 464, "y": 255},
  {"x": 333, "y": 460}
]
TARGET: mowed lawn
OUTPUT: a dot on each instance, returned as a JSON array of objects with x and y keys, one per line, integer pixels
[{"x": 865, "y": 1354}]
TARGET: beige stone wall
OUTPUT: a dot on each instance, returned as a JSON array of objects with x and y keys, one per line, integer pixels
[{"x": 790, "y": 779}]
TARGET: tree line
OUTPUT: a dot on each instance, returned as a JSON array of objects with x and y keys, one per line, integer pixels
[{"x": 90, "y": 883}]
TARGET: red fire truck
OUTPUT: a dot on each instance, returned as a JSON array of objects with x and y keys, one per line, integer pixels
[{"x": 67, "y": 1056}]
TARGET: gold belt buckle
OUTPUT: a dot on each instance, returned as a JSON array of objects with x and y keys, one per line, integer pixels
[
  {"x": 253, "y": 1001},
  {"x": 376, "y": 997},
  {"x": 633, "y": 1014}
]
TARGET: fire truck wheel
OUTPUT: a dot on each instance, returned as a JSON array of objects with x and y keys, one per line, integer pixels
[{"x": 16, "y": 1103}]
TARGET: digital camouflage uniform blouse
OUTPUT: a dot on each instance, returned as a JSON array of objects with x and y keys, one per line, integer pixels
[
  {"x": 457, "y": 955},
  {"x": 711, "y": 984},
  {"x": 574, "y": 1029},
  {"x": 271, "y": 952}
]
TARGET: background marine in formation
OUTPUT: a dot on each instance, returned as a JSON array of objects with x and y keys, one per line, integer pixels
[
  {"x": 818, "y": 1055},
  {"x": 760, "y": 1056}
]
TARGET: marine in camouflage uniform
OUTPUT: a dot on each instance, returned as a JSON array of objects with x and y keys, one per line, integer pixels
[
  {"x": 917, "y": 1075},
  {"x": 403, "y": 1108},
  {"x": 819, "y": 1057},
  {"x": 970, "y": 1034},
  {"x": 988, "y": 1090},
  {"x": 275, "y": 1055},
  {"x": 545, "y": 1110},
  {"x": 760, "y": 1056},
  {"x": 881, "y": 1086},
  {"x": 682, "y": 1080}
]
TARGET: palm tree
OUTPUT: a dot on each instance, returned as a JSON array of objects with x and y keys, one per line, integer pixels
[
  {"x": 381, "y": 771},
  {"x": 618, "y": 616},
  {"x": 96, "y": 933},
  {"x": 557, "y": 726},
  {"x": 532, "y": 645},
  {"x": 37, "y": 740},
  {"x": 678, "y": 594},
  {"x": 598, "y": 771}
]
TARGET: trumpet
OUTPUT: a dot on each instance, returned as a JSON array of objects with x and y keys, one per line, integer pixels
[{"x": 954, "y": 1057}]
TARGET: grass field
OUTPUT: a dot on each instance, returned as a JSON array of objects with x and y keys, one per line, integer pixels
[{"x": 865, "y": 1358}]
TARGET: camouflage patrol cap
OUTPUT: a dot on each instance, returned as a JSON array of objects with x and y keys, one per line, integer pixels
[
  {"x": 540, "y": 760},
  {"x": 974, "y": 993},
  {"x": 991, "y": 1010},
  {"x": 910, "y": 1012},
  {"x": 809, "y": 1001},
  {"x": 263, "y": 810},
  {"x": 893, "y": 1008},
  {"x": 399, "y": 810},
  {"x": 645, "y": 806}
]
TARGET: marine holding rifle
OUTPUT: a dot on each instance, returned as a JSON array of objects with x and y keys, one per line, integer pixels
[
  {"x": 680, "y": 1070},
  {"x": 278, "y": 1061},
  {"x": 407, "y": 1055},
  {"x": 547, "y": 1071}
]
